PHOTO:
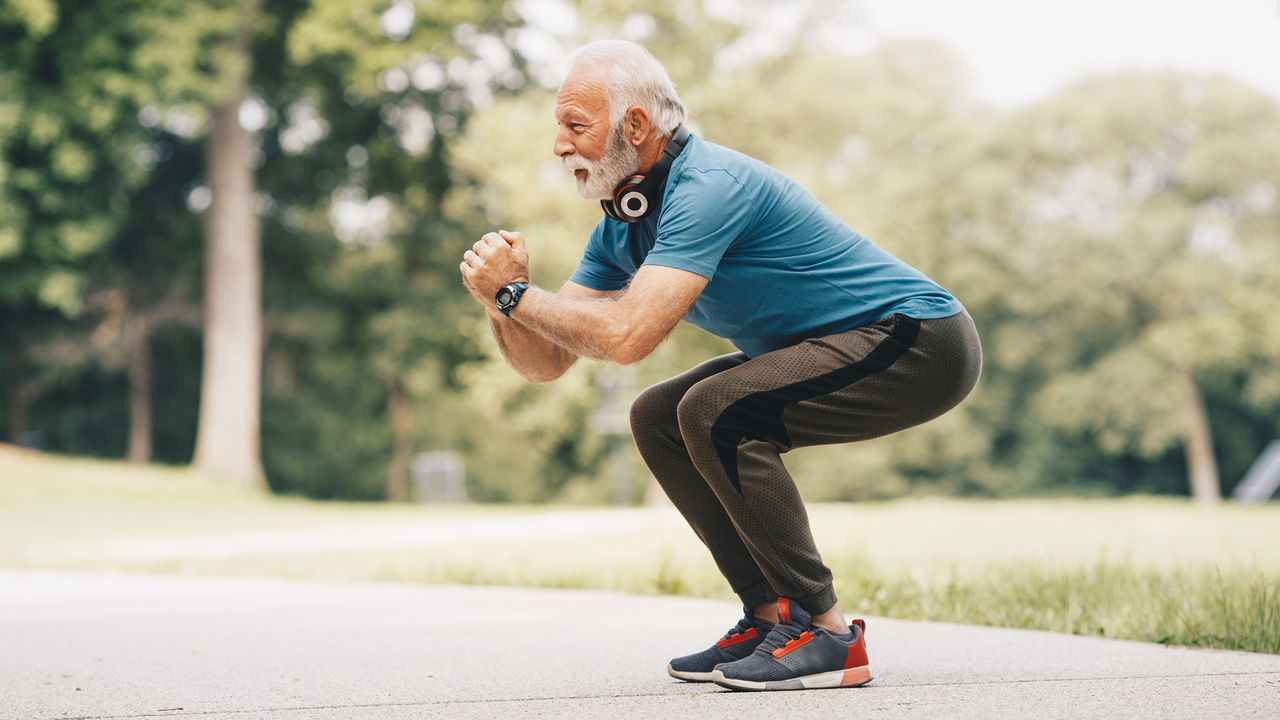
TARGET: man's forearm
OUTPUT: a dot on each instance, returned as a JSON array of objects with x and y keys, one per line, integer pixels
[
  {"x": 529, "y": 353},
  {"x": 587, "y": 327}
]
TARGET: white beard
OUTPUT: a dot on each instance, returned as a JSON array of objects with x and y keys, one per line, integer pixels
[{"x": 621, "y": 160}]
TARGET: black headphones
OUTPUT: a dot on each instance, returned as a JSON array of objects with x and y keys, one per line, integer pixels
[{"x": 638, "y": 194}]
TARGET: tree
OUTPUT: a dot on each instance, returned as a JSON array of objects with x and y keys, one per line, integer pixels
[
  {"x": 67, "y": 165},
  {"x": 230, "y": 392},
  {"x": 145, "y": 284},
  {"x": 1154, "y": 215},
  {"x": 386, "y": 90}
]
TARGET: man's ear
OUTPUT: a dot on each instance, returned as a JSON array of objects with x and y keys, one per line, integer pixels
[{"x": 637, "y": 124}]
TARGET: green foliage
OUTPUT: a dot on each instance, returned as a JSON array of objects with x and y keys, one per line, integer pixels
[
  {"x": 1178, "y": 258},
  {"x": 38, "y": 17},
  {"x": 360, "y": 308},
  {"x": 82, "y": 216}
]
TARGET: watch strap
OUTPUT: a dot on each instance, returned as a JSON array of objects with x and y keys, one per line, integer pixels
[{"x": 517, "y": 289}]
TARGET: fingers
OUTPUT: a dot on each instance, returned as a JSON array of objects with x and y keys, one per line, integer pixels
[
  {"x": 492, "y": 240},
  {"x": 467, "y": 273},
  {"x": 488, "y": 246},
  {"x": 514, "y": 238},
  {"x": 495, "y": 240},
  {"x": 499, "y": 251}
]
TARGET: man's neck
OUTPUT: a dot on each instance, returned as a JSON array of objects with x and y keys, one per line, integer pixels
[{"x": 655, "y": 147}]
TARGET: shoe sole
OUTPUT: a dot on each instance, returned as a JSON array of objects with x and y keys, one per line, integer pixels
[
  {"x": 852, "y": 677},
  {"x": 689, "y": 676}
]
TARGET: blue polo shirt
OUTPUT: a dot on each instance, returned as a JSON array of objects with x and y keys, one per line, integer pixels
[{"x": 781, "y": 267}]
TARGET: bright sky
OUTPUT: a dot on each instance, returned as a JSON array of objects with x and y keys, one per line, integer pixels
[
  {"x": 1021, "y": 50},
  {"x": 1017, "y": 50}
]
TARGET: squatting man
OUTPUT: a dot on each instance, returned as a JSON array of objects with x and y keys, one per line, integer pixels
[{"x": 837, "y": 341}]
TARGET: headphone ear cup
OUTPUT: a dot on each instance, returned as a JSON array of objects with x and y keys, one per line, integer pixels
[
  {"x": 607, "y": 206},
  {"x": 634, "y": 205},
  {"x": 628, "y": 201}
]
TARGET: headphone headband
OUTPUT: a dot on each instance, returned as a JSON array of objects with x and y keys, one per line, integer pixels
[{"x": 636, "y": 196}]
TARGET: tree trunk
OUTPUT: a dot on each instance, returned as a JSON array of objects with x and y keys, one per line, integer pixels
[
  {"x": 401, "y": 412},
  {"x": 1202, "y": 468},
  {"x": 227, "y": 442},
  {"x": 14, "y": 390},
  {"x": 138, "y": 337}
]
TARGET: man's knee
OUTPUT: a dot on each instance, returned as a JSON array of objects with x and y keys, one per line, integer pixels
[
  {"x": 695, "y": 414},
  {"x": 650, "y": 410}
]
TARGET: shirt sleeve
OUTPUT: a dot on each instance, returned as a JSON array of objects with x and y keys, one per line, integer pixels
[
  {"x": 707, "y": 212},
  {"x": 595, "y": 270}
]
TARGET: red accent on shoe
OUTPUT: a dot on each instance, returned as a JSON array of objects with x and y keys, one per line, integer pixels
[
  {"x": 784, "y": 610},
  {"x": 857, "y": 656},
  {"x": 737, "y": 638},
  {"x": 792, "y": 645}
]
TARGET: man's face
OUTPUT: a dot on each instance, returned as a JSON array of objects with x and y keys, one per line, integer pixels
[{"x": 599, "y": 155}]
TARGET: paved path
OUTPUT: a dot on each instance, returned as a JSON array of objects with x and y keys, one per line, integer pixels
[{"x": 85, "y": 645}]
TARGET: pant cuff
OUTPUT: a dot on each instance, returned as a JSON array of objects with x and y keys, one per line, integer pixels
[
  {"x": 819, "y": 602},
  {"x": 756, "y": 593}
]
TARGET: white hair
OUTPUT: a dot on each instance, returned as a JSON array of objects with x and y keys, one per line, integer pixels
[{"x": 635, "y": 78}]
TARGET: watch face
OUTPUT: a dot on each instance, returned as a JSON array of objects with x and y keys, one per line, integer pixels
[{"x": 504, "y": 296}]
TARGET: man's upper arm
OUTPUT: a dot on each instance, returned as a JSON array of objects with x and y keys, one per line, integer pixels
[
  {"x": 654, "y": 302},
  {"x": 573, "y": 289},
  {"x": 707, "y": 213}
]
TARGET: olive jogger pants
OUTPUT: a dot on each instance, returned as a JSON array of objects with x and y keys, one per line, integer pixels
[{"x": 712, "y": 436}]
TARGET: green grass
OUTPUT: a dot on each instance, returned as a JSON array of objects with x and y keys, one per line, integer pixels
[
  {"x": 1151, "y": 569},
  {"x": 57, "y": 499}
]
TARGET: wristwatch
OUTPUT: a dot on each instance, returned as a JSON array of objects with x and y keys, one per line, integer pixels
[{"x": 508, "y": 295}]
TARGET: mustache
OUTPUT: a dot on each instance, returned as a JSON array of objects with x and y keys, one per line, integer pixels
[{"x": 576, "y": 162}]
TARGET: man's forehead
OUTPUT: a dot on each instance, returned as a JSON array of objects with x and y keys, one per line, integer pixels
[{"x": 582, "y": 91}]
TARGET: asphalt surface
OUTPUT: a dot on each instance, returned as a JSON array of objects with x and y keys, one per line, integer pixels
[{"x": 91, "y": 645}]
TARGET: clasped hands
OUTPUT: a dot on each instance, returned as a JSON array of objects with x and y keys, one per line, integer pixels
[{"x": 495, "y": 260}]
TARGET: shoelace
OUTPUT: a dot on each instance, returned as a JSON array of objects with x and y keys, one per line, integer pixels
[
  {"x": 743, "y": 625},
  {"x": 780, "y": 635}
]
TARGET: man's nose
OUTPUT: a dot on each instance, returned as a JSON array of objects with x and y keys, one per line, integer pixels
[{"x": 562, "y": 145}]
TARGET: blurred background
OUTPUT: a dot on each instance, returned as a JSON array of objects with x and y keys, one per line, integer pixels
[{"x": 230, "y": 230}]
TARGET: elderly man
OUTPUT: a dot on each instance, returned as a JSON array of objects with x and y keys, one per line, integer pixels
[{"x": 838, "y": 341}]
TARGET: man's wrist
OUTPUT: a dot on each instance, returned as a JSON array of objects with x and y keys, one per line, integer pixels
[
  {"x": 494, "y": 313},
  {"x": 508, "y": 296},
  {"x": 524, "y": 300}
]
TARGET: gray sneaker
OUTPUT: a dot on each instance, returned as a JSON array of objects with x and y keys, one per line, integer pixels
[
  {"x": 796, "y": 655},
  {"x": 734, "y": 645}
]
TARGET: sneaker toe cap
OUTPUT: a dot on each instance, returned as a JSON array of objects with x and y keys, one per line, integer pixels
[{"x": 697, "y": 662}]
